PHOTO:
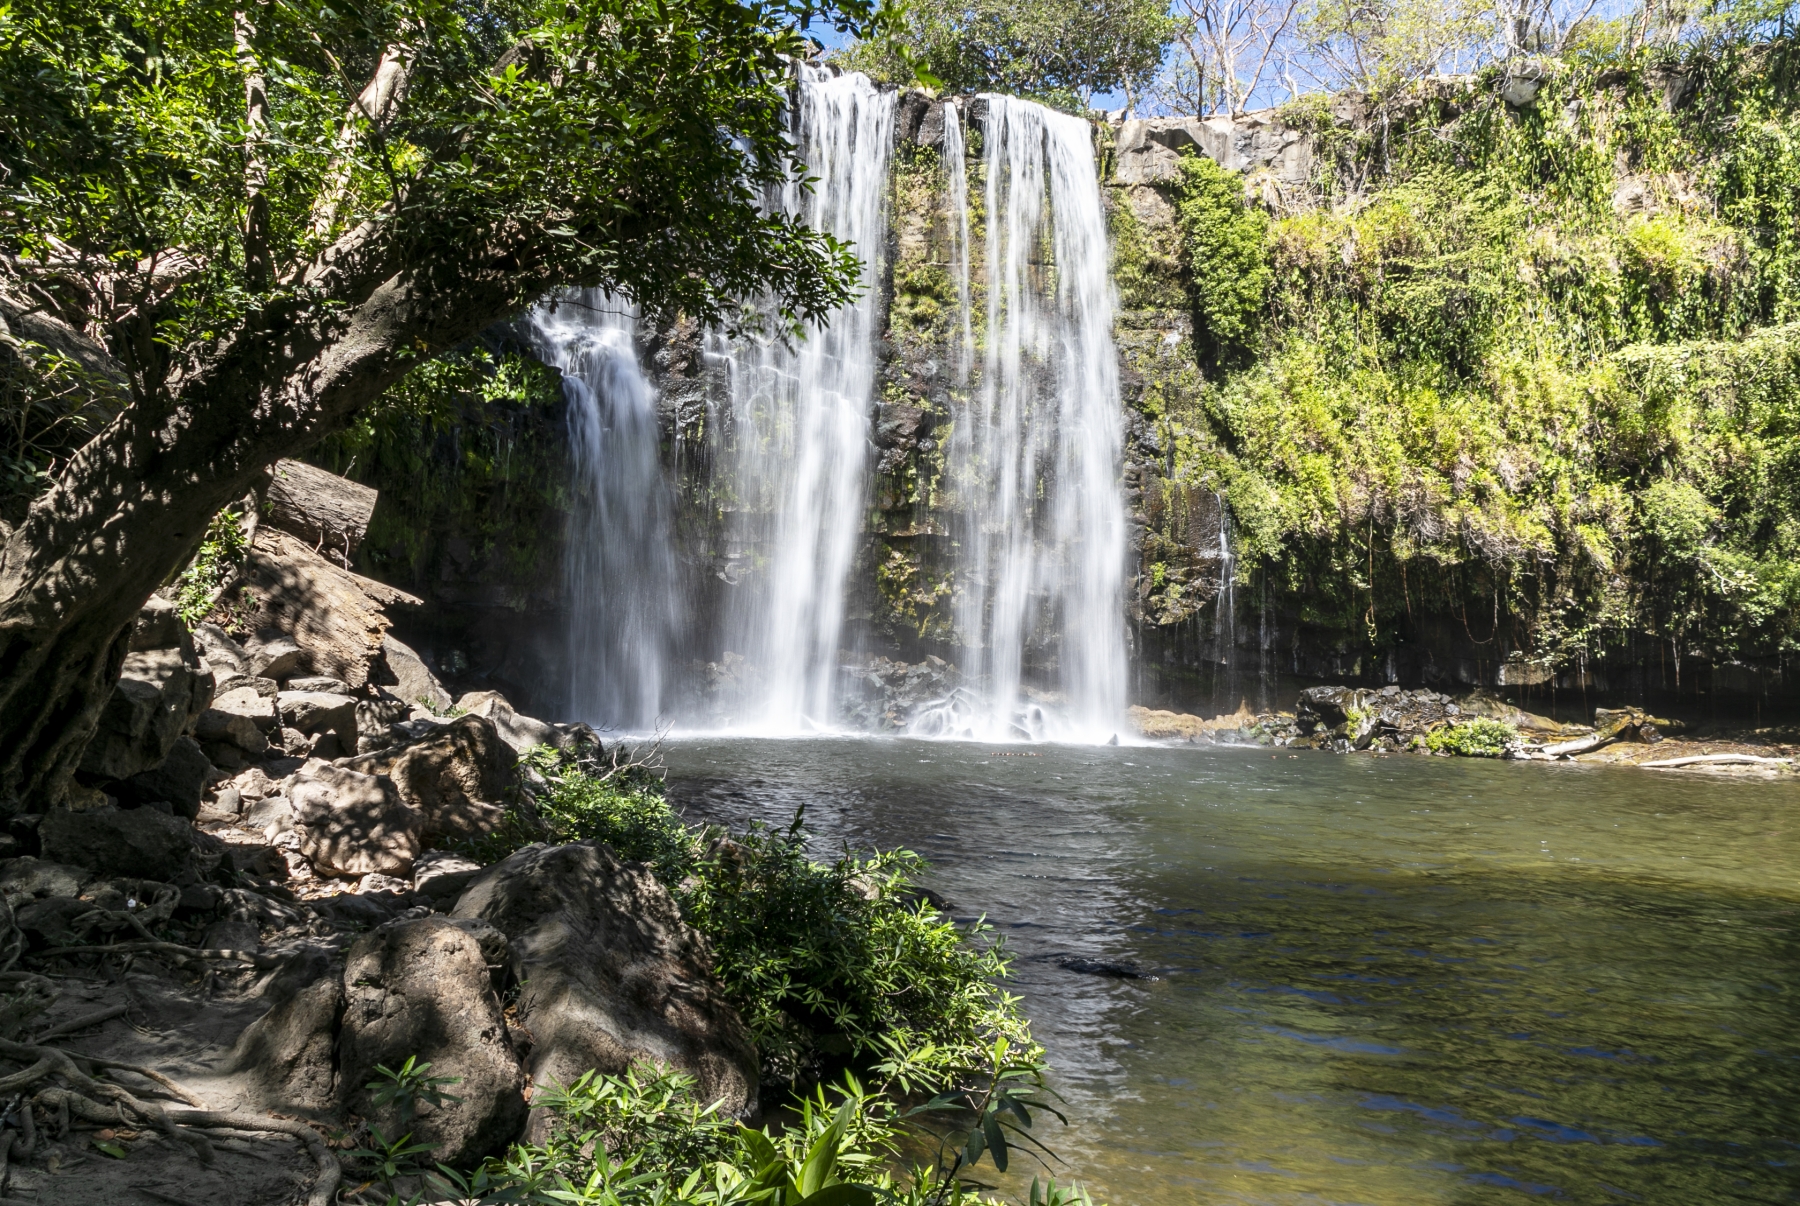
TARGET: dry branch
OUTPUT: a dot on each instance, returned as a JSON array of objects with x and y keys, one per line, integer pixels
[{"x": 1715, "y": 760}]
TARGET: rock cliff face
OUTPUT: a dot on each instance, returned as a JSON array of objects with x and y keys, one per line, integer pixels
[{"x": 1199, "y": 639}]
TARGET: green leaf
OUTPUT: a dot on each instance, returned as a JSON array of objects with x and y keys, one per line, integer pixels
[
  {"x": 996, "y": 1140},
  {"x": 110, "y": 1149},
  {"x": 977, "y": 1142},
  {"x": 822, "y": 1157},
  {"x": 841, "y": 1194}
]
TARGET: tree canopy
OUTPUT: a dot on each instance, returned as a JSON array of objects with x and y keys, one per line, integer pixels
[
  {"x": 226, "y": 227},
  {"x": 1060, "y": 52}
]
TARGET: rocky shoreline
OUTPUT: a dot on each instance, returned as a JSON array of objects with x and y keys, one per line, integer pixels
[{"x": 1392, "y": 720}]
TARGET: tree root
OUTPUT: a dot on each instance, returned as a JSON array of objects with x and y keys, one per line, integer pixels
[
  {"x": 52, "y": 1061},
  {"x": 186, "y": 954},
  {"x": 82, "y": 1023},
  {"x": 324, "y": 1190}
]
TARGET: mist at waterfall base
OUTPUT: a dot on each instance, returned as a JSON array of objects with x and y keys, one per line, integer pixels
[{"x": 1031, "y": 470}]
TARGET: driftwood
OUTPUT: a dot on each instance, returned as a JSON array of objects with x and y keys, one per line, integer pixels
[
  {"x": 330, "y": 513},
  {"x": 1611, "y": 727},
  {"x": 1715, "y": 760}
]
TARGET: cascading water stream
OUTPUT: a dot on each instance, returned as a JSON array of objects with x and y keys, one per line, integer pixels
[
  {"x": 1034, "y": 462},
  {"x": 623, "y": 595},
  {"x": 799, "y": 425},
  {"x": 955, "y": 154}
]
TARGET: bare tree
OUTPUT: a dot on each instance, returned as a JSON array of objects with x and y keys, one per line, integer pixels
[
  {"x": 1382, "y": 46},
  {"x": 1222, "y": 52},
  {"x": 1528, "y": 27}
]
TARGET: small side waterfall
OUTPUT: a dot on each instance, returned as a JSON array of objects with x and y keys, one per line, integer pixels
[
  {"x": 624, "y": 601},
  {"x": 1035, "y": 461},
  {"x": 1225, "y": 615},
  {"x": 800, "y": 425}
]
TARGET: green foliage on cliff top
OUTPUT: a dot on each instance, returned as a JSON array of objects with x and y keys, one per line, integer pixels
[
  {"x": 1545, "y": 364},
  {"x": 1224, "y": 240}
]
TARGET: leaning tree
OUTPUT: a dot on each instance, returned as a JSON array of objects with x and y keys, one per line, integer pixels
[{"x": 229, "y": 226}]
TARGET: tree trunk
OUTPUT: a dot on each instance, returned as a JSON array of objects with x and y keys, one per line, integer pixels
[{"x": 132, "y": 506}]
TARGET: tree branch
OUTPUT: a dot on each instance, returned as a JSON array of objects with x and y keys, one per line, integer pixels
[
  {"x": 257, "y": 268},
  {"x": 377, "y": 104}
]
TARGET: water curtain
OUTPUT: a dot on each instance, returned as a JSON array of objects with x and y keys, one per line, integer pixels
[
  {"x": 623, "y": 599},
  {"x": 799, "y": 425},
  {"x": 1035, "y": 461}
]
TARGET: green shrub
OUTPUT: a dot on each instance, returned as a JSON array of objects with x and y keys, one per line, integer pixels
[
  {"x": 645, "y": 1139},
  {"x": 830, "y": 963},
  {"x": 1227, "y": 262},
  {"x": 215, "y": 563},
  {"x": 1478, "y": 738},
  {"x": 841, "y": 961}
]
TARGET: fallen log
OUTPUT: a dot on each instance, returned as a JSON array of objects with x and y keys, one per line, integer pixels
[
  {"x": 328, "y": 512},
  {"x": 1714, "y": 760}
]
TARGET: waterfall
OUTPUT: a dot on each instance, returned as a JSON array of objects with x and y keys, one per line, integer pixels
[
  {"x": 1225, "y": 613},
  {"x": 956, "y": 173},
  {"x": 623, "y": 598},
  {"x": 1035, "y": 460},
  {"x": 799, "y": 425}
]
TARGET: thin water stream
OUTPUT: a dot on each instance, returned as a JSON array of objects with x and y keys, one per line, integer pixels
[{"x": 1382, "y": 980}]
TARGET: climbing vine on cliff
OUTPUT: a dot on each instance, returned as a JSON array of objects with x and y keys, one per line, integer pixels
[{"x": 1530, "y": 370}]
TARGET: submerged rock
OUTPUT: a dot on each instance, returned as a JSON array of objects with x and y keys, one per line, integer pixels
[{"x": 610, "y": 973}]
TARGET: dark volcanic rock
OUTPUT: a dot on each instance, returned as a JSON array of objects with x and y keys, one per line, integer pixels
[
  {"x": 611, "y": 974},
  {"x": 141, "y": 842},
  {"x": 420, "y": 987}
]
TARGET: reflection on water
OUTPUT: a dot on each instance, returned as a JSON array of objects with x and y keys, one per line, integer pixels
[{"x": 1383, "y": 980}]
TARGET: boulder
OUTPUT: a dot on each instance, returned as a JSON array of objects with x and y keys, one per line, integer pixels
[
  {"x": 328, "y": 512},
  {"x": 252, "y": 702},
  {"x": 319, "y": 682},
  {"x": 409, "y": 677},
  {"x": 442, "y": 877},
  {"x": 287, "y": 1056},
  {"x": 268, "y": 688},
  {"x": 180, "y": 779},
  {"x": 351, "y": 824},
  {"x": 520, "y": 732},
  {"x": 157, "y": 697},
  {"x": 158, "y": 626},
  {"x": 50, "y": 921},
  {"x": 27, "y": 878},
  {"x": 337, "y": 617},
  {"x": 141, "y": 842},
  {"x": 272, "y": 655},
  {"x": 420, "y": 987},
  {"x": 271, "y": 814},
  {"x": 313, "y": 712},
  {"x": 239, "y": 718},
  {"x": 611, "y": 974},
  {"x": 455, "y": 777},
  {"x": 224, "y": 655},
  {"x": 375, "y": 720}
]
